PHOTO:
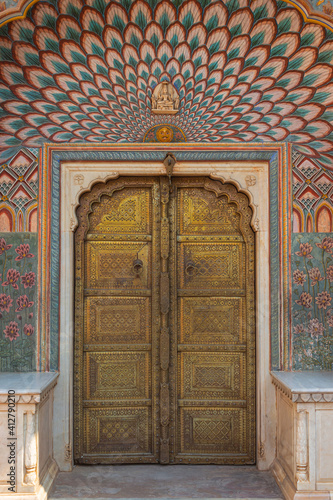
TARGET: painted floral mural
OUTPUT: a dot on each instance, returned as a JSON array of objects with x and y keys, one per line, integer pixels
[
  {"x": 312, "y": 278},
  {"x": 18, "y": 263}
]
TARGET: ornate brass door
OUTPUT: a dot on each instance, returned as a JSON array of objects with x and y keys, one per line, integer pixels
[{"x": 164, "y": 328}]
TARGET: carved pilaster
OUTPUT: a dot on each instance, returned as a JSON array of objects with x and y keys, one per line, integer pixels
[
  {"x": 302, "y": 446},
  {"x": 30, "y": 450}
]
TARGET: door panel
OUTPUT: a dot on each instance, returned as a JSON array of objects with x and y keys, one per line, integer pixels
[
  {"x": 164, "y": 330},
  {"x": 210, "y": 265},
  {"x": 117, "y": 320},
  {"x": 212, "y": 433},
  {"x": 112, "y": 433},
  {"x": 110, "y": 265},
  {"x": 215, "y": 345},
  {"x": 212, "y": 320},
  {"x": 117, "y": 400},
  {"x": 207, "y": 375},
  {"x": 117, "y": 376}
]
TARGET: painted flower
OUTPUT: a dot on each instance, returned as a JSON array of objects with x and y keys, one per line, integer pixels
[
  {"x": 22, "y": 303},
  {"x": 305, "y": 250},
  {"x": 11, "y": 331},
  {"x": 315, "y": 328},
  {"x": 23, "y": 252},
  {"x": 323, "y": 300},
  {"x": 5, "y": 302},
  {"x": 12, "y": 277},
  {"x": 3, "y": 246},
  {"x": 315, "y": 275},
  {"x": 329, "y": 273},
  {"x": 299, "y": 277},
  {"x": 330, "y": 321},
  {"x": 304, "y": 300},
  {"x": 28, "y": 330},
  {"x": 28, "y": 280},
  {"x": 326, "y": 244},
  {"x": 298, "y": 329}
]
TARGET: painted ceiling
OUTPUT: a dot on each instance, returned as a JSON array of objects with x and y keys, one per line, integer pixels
[{"x": 84, "y": 70}]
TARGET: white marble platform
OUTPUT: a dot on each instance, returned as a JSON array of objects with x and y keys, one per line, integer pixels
[
  {"x": 26, "y": 435},
  {"x": 26, "y": 383},
  {"x": 303, "y": 466},
  {"x": 306, "y": 386}
]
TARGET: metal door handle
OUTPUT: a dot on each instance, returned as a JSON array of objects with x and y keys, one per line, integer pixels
[
  {"x": 137, "y": 266},
  {"x": 190, "y": 268}
]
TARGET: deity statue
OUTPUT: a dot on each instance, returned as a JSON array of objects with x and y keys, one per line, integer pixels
[{"x": 165, "y": 99}]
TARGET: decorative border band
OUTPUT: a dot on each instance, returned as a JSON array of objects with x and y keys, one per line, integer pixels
[{"x": 49, "y": 234}]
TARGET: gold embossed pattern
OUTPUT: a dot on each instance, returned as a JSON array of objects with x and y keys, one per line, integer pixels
[
  {"x": 116, "y": 388},
  {"x": 213, "y": 320},
  {"x": 203, "y": 213},
  {"x": 117, "y": 431},
  {"x": 206, "y": 376},
  {"x": 213, "y": 431},
  {"x": 214, "y": 292},
  {"x": 118, "y": 320},
  {"x": 117, "y": 375},
  {"x": 211, "y": 265},
  {"x": 164, "y": 323},
  {"x": 110, "y": 264},
  {"x": 128, "y": 211}
]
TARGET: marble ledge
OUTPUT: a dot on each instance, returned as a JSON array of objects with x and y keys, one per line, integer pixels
[
  {"x": 305, "y": 387},
  {"x": 29, "y": 387}
]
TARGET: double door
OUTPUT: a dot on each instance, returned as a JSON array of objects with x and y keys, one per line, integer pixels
[{"x": 164, "y": 323}]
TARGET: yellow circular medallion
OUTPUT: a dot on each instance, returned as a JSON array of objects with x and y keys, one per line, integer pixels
[{"x": 164, "y": 134}]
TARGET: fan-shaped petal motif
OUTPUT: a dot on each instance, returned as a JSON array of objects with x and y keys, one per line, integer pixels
[{"x": 85, "y": 70}]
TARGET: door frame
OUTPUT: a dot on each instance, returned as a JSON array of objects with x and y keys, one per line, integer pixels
[{"x": 250, "y": 176}]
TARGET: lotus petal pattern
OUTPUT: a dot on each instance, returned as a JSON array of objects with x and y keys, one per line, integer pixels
[{"x": 84, "y": 70}]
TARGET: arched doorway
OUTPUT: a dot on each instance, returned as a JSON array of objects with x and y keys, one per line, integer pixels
[{"x": 164, "y": 323}]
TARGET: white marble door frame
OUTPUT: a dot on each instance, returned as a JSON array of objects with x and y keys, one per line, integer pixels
[{"x": 251, "y": 178}]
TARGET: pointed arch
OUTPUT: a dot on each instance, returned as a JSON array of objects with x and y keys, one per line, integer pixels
[
  {"x": 309, "y": 224},
  {"x": 324, "y": 218},
  {"x": 7, "y": 219},
  {"x": 32, "y": 219},
  {"x": 298, "y": 220},
  {"x": 19, "y": 222}
]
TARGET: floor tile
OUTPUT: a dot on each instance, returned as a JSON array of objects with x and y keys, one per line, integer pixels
[{"x": 181, "y": 482}]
